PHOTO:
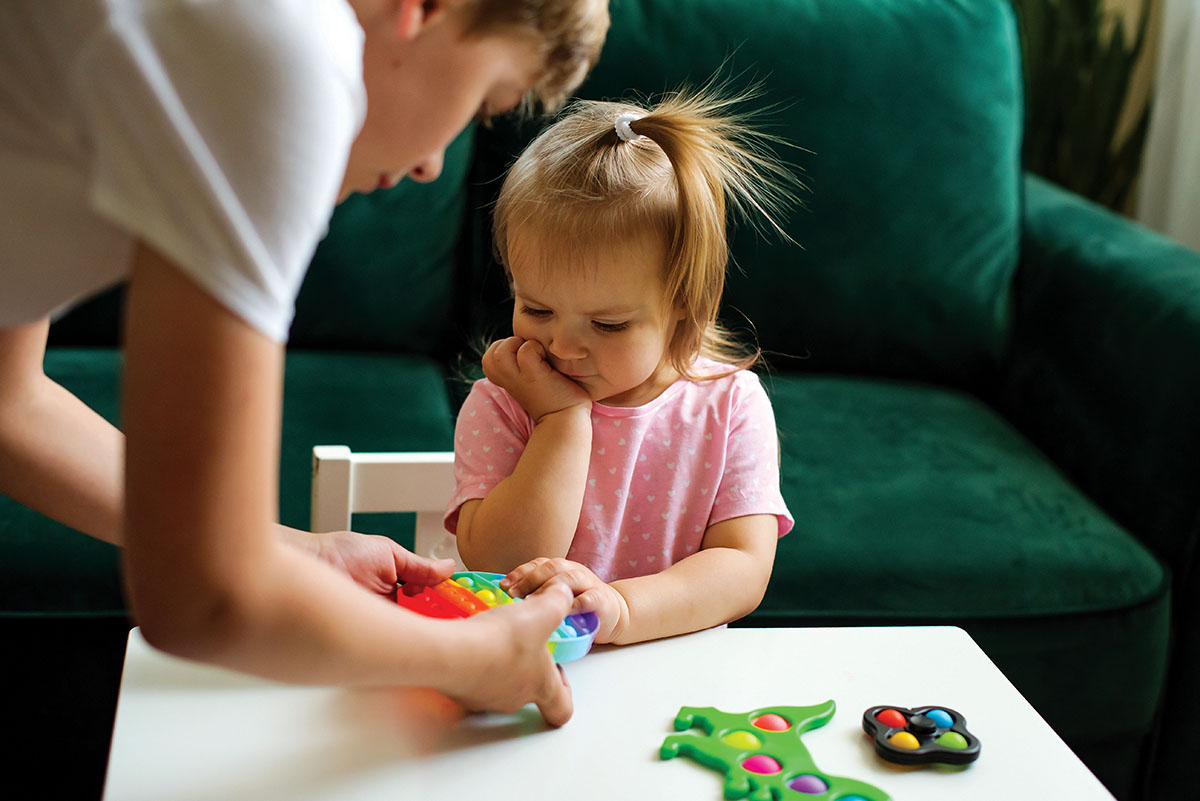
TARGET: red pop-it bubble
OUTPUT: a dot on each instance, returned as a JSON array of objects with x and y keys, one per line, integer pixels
[
  {"x": 892, "y": 719},
  {"x": 772, "y": 722}
]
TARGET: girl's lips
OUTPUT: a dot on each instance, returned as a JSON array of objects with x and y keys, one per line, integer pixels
[{"x": 387, "y": 181}]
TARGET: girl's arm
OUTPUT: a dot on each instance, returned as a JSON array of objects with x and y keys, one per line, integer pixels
[
  {"x": 534, "y": 511},
  {"x": 207, "y": 575},
  {"x": 723, "y": 581}
]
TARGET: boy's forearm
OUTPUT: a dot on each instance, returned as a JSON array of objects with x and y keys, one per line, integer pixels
[
  {"x": 61, "y": 458},
  {"x": 300, "y": 621},
  {"x": 534, "y": 511},
  {"x": 710, "y": 587}
]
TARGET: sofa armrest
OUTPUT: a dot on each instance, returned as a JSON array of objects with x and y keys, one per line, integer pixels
[{"x": 1103, "y": 369}]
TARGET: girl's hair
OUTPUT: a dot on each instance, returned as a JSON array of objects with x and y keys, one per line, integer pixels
[
  {"x": 579, "y": 186},
  {"x": 570, "y": 34}
]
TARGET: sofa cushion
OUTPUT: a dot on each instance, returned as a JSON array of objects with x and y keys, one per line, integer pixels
[
  {"x": 914, "y": 504},
  {"x": 906, "y": 263},
  {"x": 922, "y": 490}
]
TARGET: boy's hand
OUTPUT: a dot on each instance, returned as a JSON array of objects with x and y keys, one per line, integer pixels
[
  {"x": 373, "y": 561},
  {"x": 520, "y": 367},
  {"x": 518, "y": 669},
  {"x": 591, "y": 594},
  {"x": 378, "y": 563}
]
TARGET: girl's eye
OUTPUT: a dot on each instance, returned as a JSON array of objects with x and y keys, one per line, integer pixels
[
  {"x": 529, "y": 311},
  {"x": 609, "y": 328}
]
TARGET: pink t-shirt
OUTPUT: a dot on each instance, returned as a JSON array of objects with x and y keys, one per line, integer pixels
[{"x": 660, "y": 474}]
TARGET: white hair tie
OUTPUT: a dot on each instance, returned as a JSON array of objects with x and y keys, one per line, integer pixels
[{"x": 624, "y": 132}]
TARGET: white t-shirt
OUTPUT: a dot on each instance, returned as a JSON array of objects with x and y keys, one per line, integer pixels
[{"x": 217, "y": 131}]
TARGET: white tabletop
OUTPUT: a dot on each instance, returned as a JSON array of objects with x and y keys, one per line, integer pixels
[{"x": 187, "y": 731}]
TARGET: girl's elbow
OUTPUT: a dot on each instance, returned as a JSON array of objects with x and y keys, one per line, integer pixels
[{"x": 756, "y": 589}]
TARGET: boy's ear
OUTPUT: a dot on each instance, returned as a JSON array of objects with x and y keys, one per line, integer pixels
[{"x": 413, "y": 16}]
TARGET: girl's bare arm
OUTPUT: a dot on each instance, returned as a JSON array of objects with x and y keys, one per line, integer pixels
[
  {"x": 534, "y": 511},
  {"x": 723, "y": 581}
]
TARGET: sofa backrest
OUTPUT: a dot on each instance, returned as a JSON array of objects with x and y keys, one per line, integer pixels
[
  {"x": 384, "y": 276},
  {"x": 912, "y": 111}
]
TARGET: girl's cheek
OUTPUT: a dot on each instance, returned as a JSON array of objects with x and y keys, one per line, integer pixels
[{"x": 526, "y": 331}]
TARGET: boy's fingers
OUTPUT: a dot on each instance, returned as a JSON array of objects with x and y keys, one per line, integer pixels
[
  {"x": 557, "y": 705},
  {"x": 414, "y": 569},
  {"x": 547, "y": 611}
]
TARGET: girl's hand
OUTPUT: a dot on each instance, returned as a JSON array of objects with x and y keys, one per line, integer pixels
[
  {"x": 518, "y": 669},
  {"x": 520, "y": 367},
  {"x": 591, "y": 594},
  {"x": 373, "y": 561}
]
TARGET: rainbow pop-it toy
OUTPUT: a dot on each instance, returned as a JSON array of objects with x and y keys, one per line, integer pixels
[{"x": 471, "y": 592}]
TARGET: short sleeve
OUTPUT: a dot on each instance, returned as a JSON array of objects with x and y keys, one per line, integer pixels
[
  {"x": 750, "y": 484},
  {"x": 219, "y": 134},
  {"x": 489, "y": 438}
]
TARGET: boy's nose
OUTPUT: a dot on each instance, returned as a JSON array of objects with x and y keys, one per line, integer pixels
[{"x": 429, "y": 169}]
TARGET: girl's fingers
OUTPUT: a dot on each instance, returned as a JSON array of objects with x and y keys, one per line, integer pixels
[
  {"x": 531, "y": 358},
  {"x": 589, "y": 601},
  {"x": 517, "y": 582},
  {"x": 533, "y": 576}
]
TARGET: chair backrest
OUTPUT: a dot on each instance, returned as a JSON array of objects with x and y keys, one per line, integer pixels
[{"x": 344, "y": 482}]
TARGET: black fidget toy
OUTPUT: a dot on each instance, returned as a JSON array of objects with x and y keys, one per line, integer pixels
[{"x": 921, "y": 735}]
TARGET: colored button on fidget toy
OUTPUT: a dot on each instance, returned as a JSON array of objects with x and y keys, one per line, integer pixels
[
  {"x": 922, "y": 735},
  {"x": 469, "y": 593}
]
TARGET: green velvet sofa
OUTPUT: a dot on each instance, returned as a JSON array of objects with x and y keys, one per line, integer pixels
[{"x": 986, "y": 387}]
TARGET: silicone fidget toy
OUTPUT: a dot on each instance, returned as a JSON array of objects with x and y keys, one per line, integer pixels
[
  {"x": 922, "y": 735},
  {"x": 469, "y": 593},
  {"x": 762, "y": 755}
]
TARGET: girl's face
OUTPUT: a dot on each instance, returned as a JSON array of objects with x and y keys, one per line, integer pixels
[{"x": 603, "y": 325}]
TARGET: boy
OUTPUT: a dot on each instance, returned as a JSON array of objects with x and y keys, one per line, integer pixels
[{"x": 196, "y": 149}]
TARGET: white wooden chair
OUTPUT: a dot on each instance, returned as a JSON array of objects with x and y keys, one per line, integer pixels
[{"x": 344, "y": 482}]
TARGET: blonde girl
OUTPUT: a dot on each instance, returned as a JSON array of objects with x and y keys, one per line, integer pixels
[{"x": 619, "y": 444}]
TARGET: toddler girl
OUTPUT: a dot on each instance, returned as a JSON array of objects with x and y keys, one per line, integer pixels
[{"x": 619, "y": 445}]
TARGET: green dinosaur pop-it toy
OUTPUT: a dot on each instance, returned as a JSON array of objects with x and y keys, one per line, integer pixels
[{"x": 762, "y": 755}]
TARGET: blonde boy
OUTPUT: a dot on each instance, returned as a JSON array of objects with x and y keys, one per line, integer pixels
[{"x": 196, "y": 149}]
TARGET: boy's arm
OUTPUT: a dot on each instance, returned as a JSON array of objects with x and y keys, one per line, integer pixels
[
  {"x": 723, "y": 581},
  {"x": 56, "y": 455},
  {"x": 209, "y": 578},
  {"x": 60, "y": 457},
  {"x": 535, "y": 510}
]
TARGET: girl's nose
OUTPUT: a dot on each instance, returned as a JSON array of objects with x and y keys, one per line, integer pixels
[
  {"x": 565, "y": 344},
  {"x": 429, "y": 169}
]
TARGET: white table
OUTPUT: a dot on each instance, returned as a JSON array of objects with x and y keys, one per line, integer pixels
[{"x": 186, "y": 731}]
